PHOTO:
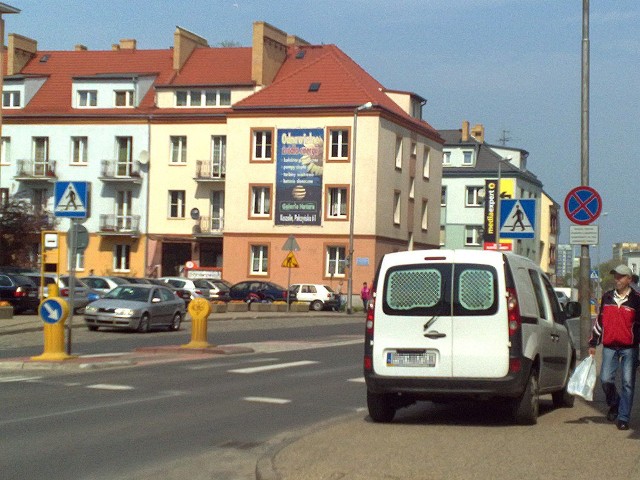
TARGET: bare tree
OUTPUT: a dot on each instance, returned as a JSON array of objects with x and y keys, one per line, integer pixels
[{"x": 20, "y": 227}]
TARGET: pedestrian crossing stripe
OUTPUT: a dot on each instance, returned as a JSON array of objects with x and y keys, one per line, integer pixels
[{"x": 517, "y": 218}]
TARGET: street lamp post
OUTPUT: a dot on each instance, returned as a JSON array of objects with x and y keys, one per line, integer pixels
[{"x": 366, "y": 106}]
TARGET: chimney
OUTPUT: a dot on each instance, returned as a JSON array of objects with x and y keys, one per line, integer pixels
[
  {"x": 115, "y": 47},
  {"x": 128, "y": 44},
  {"x": 185, "y": 42},
  {"x": 20, "y": 51},
  {"x": 80, "y": 48},
  {"x": 465, "y": 131},
  {"x": 477, "y": 132}
]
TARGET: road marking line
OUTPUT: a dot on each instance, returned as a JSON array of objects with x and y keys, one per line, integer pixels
[
  {"x": 106, "y": 386},
  {"x": 356, "y": 380},
  {"x": 227, "y": 365},
  {"x": 277, "y": 366},
  {"x": 18, "y": 379},
  {"x": 99, "y": 355},
  {"x": 277, "y": 401}
]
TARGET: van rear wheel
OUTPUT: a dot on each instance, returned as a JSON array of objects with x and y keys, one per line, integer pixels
[
  {"x": 381, "y": 407},
  {"x": 527, "y": 406}
]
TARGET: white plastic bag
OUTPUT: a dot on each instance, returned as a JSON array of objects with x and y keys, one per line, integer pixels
[{"x": 583, "y": 379}]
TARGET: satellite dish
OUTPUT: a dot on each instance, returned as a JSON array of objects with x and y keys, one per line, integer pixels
[{"x": 144, "y": 157}]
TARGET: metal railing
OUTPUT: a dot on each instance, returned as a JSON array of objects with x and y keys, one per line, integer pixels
[
  {"x": 209, "y": 226},
  {"x": 120, "y": 169},
  {"x": 111, "y": 223},
  {"x": 211, "y": 169},
  {"x": 36, "y": 168}
]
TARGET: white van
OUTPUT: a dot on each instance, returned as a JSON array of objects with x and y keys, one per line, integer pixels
[{"x": 447, "y": 324}]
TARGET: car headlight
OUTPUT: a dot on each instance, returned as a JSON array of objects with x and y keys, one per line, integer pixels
[
  {"x": 90, "y": 309},
  {"x": 124, "y": 312}
]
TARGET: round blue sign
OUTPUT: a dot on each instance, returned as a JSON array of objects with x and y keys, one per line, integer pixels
[{"x": 583, "y": 205}]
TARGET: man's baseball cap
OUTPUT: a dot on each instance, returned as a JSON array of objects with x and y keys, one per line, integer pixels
[{"x": 622, "y": 270}]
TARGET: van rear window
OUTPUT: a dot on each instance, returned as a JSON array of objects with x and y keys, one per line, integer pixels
[{"x": 440, "y": 289}]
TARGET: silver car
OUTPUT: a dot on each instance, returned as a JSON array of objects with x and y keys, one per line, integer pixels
[{"x": 136, "y": 307}]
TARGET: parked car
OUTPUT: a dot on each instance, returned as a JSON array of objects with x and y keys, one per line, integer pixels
[
  {"x": 136, "y": 307},
  {"x": 453, "y": 324},
  {"x": 562, "y": 298},
  {"x": 197, "y": 287},
  {"x": 319, "y": 296},
  {"x": 257, "y": 291},
  {"x": 82, "y": 293},
  {"x": 183, "y": 293},
  {"x": 103, "y": 284},
  {"x": 19, "y": 291},
  {"x": 219, "y": 289}
]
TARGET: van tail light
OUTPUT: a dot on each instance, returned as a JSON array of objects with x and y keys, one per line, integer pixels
[
  {"x": 368, "y": 364},
  {"x": 513, "y": 311},
  {"x": 64, "y": 292},
  {"x": 515, "y": 365},
  {"x": 20, "y": 292},
  {"x": 368, "y": 337}
]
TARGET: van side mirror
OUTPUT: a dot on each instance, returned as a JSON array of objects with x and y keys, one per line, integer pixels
[{"x": 573, "y": 309}]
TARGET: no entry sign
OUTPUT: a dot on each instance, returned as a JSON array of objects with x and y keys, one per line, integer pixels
[{"x": 583, "y": 205}]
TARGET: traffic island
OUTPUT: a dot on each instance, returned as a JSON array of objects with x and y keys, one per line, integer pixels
[
  {"x": 262, "y": 307},
  {"x": 219, "y": 307},
  {"x": 299, "y": 307},
  {"x": 237, "y": 307},
  {"x": 6, "y": 312}
]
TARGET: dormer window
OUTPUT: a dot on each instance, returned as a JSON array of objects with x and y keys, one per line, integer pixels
[
  {"x": 87, "y": 98},
  {"x": 11, "y": 99},
  {"x": 467, "y": 157},
  {"x": 124, "y": 98},
  {"x": 203, "y": 98}
]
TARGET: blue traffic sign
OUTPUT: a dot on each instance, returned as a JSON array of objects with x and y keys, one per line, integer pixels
[
  {"x": 517, "y": 218},
  {"x": 583, "y": 205},
  {"x": 53, "y": 310},
  {"x": 71, "y": 199}
]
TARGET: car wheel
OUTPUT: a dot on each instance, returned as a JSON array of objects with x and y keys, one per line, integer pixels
[
  {"x": 92, "y": 328},
  {"x": 527, "y": 406},
  {"x": 175, "y": 324},
  {"x": 317, "y": 306},
  {"x": 381, "y": 407},
  {"x": 143, "y": 326},
  {"x": 562, "y": 398}
]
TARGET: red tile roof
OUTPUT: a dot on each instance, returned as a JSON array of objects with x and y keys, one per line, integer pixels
[
  {"x": 216, "y": 66},
  {"x": 343, "y": 83}
]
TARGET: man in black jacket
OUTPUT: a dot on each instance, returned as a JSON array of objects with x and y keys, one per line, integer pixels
[{"x": 618, "y": 329}]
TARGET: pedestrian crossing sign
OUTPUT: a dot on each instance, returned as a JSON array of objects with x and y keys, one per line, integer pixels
[
  {"x": 70, "y": 199},
  {"x": 517, "y": 218}
]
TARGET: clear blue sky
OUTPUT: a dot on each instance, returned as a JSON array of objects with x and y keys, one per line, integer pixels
[{"x": 512, "y": 65}]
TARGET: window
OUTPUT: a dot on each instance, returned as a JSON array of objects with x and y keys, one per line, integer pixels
[
  {"x": 11, "y": 99},
  {"x": 467, "y": 158},
  {"x": 178, "y": 149},
  {"x": 79, "y": 150},
  {"x": 124, "y": 219},
  {"x": 443, "y": 235},
  {"x": 5, "y": 150},
  {"x": 203, "y": 98},
  {"x": 218, "y": 155},
  {"x": 399, "y": 152},
  {"x": 259, "y": 259},
  {"x": 124, "y": 98},
  {"x": 260, "y": 201},
  {"x": 41, "y": 164},
  {"x": 40, "y": 200},
  {"x": 339, "y": 147},
  {"x": 426, "y": 162},
  {"x": 4, "y": 196},
  {"x": 443, "y": 196},
  {"x": 262, "y": 143},
  {"x": 121, "y": 258},
  {"x": 337, "y": 202},
  {"x": 414, "y": 149},
  {"x": 79, "y": 261},
  {"x": 425, "y": 215},
  {"x": 176, "y": 203},
  {"x": 471, "y": 235},
  {"x": 412, "y": 189},
  {"x": 474, "y": 197},
  {"x": 396, "y": 208},
  {"x": 124, "y": 161},
  {"x": 87, "y": 98},
  {"x": 446, "y": 158},
  {"x": 335, "y": 261}
]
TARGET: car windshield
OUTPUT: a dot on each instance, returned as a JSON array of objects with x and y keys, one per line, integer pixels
[{"x": 129, "y": 292}]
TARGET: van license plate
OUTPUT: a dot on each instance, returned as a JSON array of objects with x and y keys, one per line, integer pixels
[{"x": 407, "y": 359}]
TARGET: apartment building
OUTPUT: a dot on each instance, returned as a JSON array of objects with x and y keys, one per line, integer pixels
[{"x": 217, "y": 156}]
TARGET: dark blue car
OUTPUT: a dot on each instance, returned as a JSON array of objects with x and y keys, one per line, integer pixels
[
  {"x": 19, "y": 291},
  {"x": 257, "y": 291}
]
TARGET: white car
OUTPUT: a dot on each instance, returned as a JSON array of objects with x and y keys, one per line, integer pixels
[
  {"x": 197, "y": 287},
  {"x": 320, "y": 297}
]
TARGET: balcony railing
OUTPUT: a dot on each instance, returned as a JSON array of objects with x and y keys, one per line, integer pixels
[
  {"x": 210, "y": 170},
  {"x": 111, "y": 224},
  {"x": 120, "y": 170},
  {"x": 209, "y": 226},
  {"x": 36, "y": 170}
]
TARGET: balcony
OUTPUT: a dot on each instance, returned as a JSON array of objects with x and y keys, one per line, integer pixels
[
  {"x": 114, "y": 225},
  {"x": 121, "y": 171},
  {"x": 36, "y": 171},
  {"x": 210, "y": 171},
  {"x": 208, "y": 227}
]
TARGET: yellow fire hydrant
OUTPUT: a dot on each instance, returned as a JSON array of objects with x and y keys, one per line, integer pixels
[{"x": 199, "y": 309}]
